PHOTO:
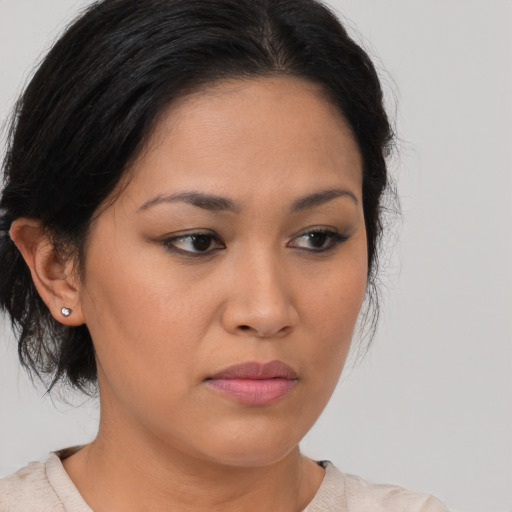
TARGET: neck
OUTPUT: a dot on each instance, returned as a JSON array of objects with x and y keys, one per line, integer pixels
[{"x": 131, "y": 471}]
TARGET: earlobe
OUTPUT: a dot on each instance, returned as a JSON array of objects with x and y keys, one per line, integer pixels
[{"x": 52, "y": 276}]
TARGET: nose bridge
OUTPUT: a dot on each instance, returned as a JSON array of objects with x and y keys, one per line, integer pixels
[
  {"x": 262, "y": 299},
  {"x": 266, "y": 282}
]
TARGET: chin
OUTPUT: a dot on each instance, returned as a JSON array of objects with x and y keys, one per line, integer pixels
[
  {"x": 255, "y": 457},
  {"x": 252, "y": 448}
]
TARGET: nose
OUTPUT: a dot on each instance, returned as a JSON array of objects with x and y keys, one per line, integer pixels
[{"x": 261, "y": 300}]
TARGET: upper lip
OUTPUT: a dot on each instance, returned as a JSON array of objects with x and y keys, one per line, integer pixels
[{"x": 257, "y": 371}]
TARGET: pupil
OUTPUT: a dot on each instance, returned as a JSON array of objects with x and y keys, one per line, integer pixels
[
  {"x": 201, "y": 242},
  {"x": 318, "y": 239}
]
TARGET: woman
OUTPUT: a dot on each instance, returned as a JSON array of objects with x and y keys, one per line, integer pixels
[{"x": 192, "y": 200}]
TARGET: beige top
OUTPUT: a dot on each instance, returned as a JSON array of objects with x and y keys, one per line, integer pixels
[{"x": 46, "y": 487}]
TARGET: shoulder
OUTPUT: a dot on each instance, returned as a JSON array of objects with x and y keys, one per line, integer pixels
[
  {"x": 359, "y": 495},
  {"x": 28, "y": 490},
  {"x": 364, "y": 495}
]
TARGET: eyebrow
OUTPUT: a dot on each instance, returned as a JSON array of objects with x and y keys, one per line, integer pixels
[
  {"x": 206, "y": 201},
  {"x": 218, "y": 203},
  {"x": 321, "y": 197}
]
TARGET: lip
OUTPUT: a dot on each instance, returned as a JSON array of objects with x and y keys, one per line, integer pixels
[{"x": 254, "y": 383}]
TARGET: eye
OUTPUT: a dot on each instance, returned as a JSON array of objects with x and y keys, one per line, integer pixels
[
  {"x": 194, "y": 244},
  {"x": 317, "y": 240}
]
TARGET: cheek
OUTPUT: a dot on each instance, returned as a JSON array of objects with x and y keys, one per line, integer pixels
[
  {"x": 332, "y": 316},
  {"x": 334, "y": 298},
  {"x": 126, "y": 302},
  {"x": 146, "y": 319}
]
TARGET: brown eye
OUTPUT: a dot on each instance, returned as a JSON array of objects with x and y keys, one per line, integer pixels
[
  {"x": 317, "y": 240},
  {"x": 201, "y": 242},
  {"x": 194, "y": 244}
]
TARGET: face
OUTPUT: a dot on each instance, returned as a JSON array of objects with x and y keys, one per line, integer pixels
[{"x": 222, "y": 287}]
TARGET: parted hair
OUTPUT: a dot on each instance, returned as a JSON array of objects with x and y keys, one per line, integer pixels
[{"x": 92, "y": 104}]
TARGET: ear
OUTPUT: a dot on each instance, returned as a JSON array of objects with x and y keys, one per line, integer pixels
[{"x": 54, "y": 278}]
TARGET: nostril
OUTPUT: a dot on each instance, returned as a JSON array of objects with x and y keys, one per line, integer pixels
[{"x": 244, "y": 327}]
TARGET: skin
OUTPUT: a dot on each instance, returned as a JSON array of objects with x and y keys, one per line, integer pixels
[{"x": 164, "y": 316}]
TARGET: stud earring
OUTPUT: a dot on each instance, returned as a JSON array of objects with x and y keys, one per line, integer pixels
[{"x": 65, "y": 311}]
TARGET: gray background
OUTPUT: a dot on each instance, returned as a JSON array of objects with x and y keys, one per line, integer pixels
[{"x": 430, "y": 407}]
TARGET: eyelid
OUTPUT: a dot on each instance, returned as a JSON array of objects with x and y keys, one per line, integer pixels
[
  {"x": 333, "y": 239},
  {"x": 168, "y": 242},
  {"x": 336, "y": 238}
]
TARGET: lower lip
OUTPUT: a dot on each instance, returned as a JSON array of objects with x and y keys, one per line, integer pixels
[{"x": 253, "y": 391}]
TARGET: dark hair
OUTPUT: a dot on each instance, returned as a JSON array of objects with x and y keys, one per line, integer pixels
[{"x": 96, "y": 97}]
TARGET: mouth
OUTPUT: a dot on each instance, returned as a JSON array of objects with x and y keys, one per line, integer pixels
[{"x": 253, "y": 383}]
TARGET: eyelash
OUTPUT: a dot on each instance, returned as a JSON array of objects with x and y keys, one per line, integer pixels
[
  {"x": 331, "y": 235},
  {"x": 335, "y": 239},
  {"x": 169, "y": 244}
]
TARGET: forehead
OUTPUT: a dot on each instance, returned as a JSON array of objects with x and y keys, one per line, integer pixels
[{"x": 264, "y": 131}]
